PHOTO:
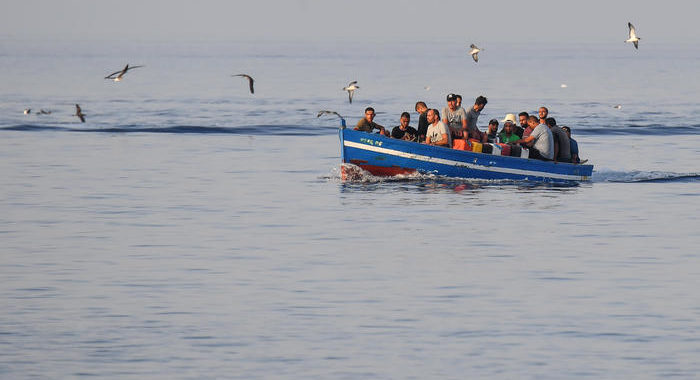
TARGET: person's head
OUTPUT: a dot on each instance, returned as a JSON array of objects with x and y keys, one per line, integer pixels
[
  {"x": 421, "y": 107},
  {"x": 369, "y": 113},
  {"x": 533, "y": 121},
  {"x": 480, "y": 103},
  {"x": 508, "y": 127},
  {"x": 543, "y": 112},
  {"x": 405, "y": 119},
  {"x": 567, "y": 130},
  {"x": 452, "y": 101},
  {"x": 522, "y": 117},
  {"x": 550, "y": 121},
  {"x": 433, "y": 116},
  {"x": 493, "y": 125},
  {"x": 459, "y": 100}
]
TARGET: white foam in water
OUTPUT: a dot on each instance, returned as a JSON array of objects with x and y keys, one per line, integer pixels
[
  {"x": 354, "y": 173},
  {"x": 641, "y": 176}
]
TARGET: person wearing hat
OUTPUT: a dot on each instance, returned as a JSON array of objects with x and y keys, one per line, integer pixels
[
  {"x": 455, "y": 118},
  {"x": 492, "y": 133},
  {"x": 508, "y": 134}
]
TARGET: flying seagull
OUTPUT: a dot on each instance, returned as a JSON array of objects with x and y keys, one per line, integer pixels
[
  {"x": 474, "y": 52},
  {"x": 79, "y": 113},
  {"x": 44, "y": 112},
  {"x": 27, "y": 111},
  {"x": 118, "y": 75},
  {"x": 250, "y": 81},
  {"x": 351, "y": 89},
  {"x": 325, "y": 112},
  {"x": 633, "y": 36}
]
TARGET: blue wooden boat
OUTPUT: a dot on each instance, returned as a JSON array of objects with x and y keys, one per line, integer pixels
[{"x": 384, "y": 156}]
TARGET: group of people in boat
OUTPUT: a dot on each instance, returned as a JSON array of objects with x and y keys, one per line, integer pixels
[{"x": 540, "y": 133}]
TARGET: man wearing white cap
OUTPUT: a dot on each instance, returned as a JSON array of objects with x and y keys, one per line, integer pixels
[{"x": 507, "y": 134}]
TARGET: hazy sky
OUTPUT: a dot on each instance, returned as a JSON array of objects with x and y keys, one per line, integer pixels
[{"x": 479, "y": 21}]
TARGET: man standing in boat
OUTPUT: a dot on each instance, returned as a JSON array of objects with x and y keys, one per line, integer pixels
[
  {"x": 438, "y": 133},
  {"x": 367, "y": 124},
  {"x": 454, "y": 117},
  {"x": 473, "y": 116}
]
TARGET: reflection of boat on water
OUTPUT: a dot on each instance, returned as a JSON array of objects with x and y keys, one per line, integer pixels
[{"x": 384, "y": 156}]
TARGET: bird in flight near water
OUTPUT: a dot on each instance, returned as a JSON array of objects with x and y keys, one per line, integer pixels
[
  {"x": 79, "y": 113},
  {"x": 326, "y": 112},
  {"x": 350, "y": 88},
  {"x": 474, "y": 52},
  {"x": 118, "y": 75},
  {"x": 250, "y": 81},
  {"x": 633, "y": 36}
]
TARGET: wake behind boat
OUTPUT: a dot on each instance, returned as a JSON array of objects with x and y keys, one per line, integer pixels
[{"x": 384, "y": 156}]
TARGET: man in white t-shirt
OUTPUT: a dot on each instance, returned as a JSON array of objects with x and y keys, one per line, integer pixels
[{"x": 438, "y": 133}]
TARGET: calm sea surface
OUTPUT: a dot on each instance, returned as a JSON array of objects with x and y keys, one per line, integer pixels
[{"x": 191, "y": 230}]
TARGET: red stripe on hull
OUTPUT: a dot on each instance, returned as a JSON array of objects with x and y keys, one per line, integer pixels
[{"x": 381, "y": 171}]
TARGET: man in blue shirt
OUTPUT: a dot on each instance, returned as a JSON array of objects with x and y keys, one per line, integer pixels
[{"x": 575, "y": 159}]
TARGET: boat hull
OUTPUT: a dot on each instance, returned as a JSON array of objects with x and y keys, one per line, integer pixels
[{"x": 384, "y": 156}]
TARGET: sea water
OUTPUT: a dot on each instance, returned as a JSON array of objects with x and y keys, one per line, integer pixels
[{"x": 189, "y": 229}]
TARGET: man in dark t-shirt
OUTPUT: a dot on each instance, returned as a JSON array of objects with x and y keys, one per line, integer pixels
[
  {"x": 473, "y": 117},
  {"x": 405, "y": 131},
  {"x": 422, "y": 110}
]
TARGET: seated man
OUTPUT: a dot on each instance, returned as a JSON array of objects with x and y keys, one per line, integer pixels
[
  {"x": 540, "y": 141},
  {"x": 459, "y": 101},
  {"x": 492, "y": 133},
  {"x": 573, "y": 146},
  {"x": 455, "y": 118},
  {"x": 520, "y": 129},
  {"x": 368, "y": 125},
  {"x": 438, "y": 133},
  {"x": 562, "y": 146},
  {"x": 507, "y": 134},
  {"x": 404, "y": 131}
]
